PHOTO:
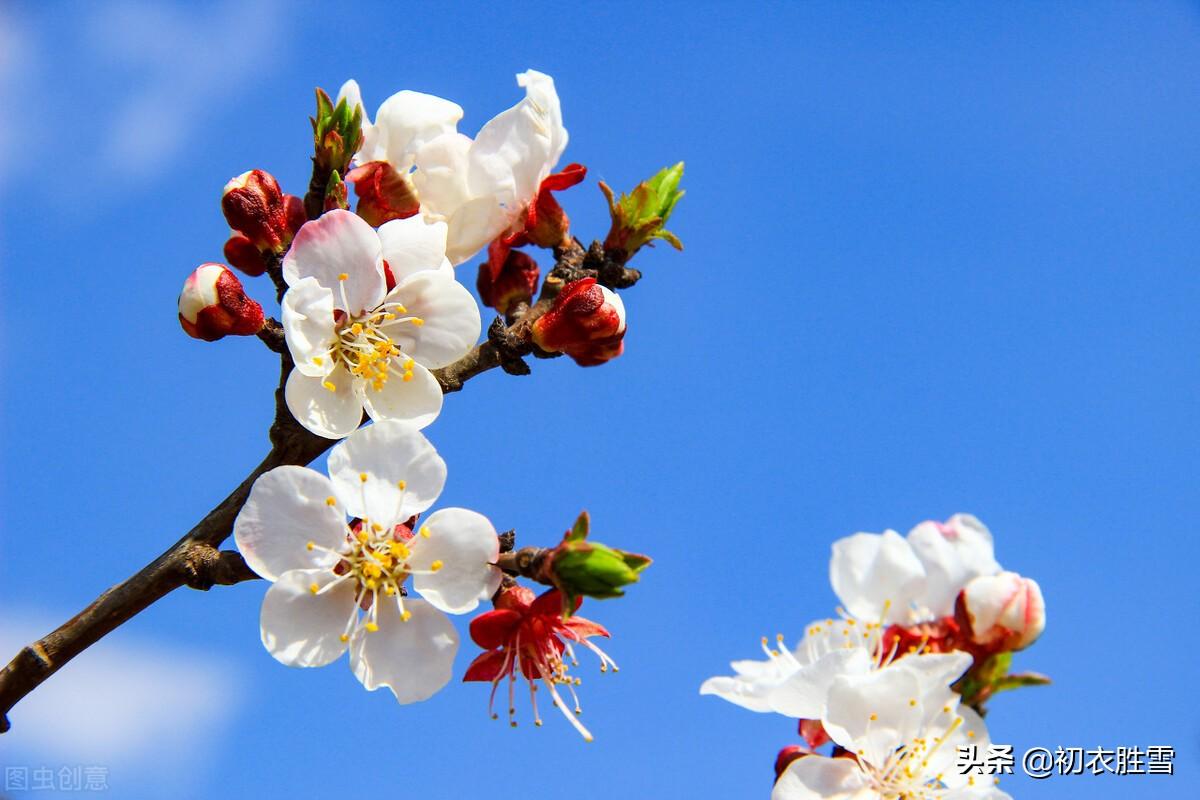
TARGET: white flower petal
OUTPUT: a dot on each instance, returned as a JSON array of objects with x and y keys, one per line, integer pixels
[
  {"x": 804, "y": 693},
  {"x": 473, "y": 226},
  {"x": 414, "y": 659},
  {"x": 971, "y": 731},
  {"x": 451, "y": 319},
  {"x": 466, "y": 545},
  {"x": 517, "y": 149},
  {"x": 336, "y": 243},
  {"x": 821, "y": 778},
  {"x": 952, "y": 554},
  {"x": 876, "y": 576},
  {"x": 412, "y": 245},
  {"x": 742, "y": 690},
  {"x": 404, "y": 122},
  {"x": 332, "y": 414},
  {"x": 416, "y": 402},
  {"x": 873, "y": 714},
  {"x": 287, "y": 508},
  {"x": 308, "y": 326},
  {"x": 303, "y": 629},
  {"x": 441, "y": 175},
  {"x": 387, "y": 453}
]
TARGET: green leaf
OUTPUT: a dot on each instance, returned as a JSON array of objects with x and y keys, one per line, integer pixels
[{"x": 579, "y": 530}]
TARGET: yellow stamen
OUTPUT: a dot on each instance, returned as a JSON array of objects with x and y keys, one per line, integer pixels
[
  {"x": 343, "y": 276},
  {"x": 372, "y": 627},
  {"x": 330, "y": 386},
  {"x": 436, "y": 565},
  {"x": 401, "y": 485},
  {"x": 314, "y": 588},
  {"x": 331, "y": 501},
  {"x": 362, "y": 476},
  {"x": 406, "y": 616}
]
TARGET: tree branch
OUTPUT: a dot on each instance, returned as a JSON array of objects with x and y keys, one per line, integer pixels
[{"x": 196, "y": 560}]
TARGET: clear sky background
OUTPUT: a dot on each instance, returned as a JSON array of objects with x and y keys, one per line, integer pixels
[{"x": 940, "y": 258}]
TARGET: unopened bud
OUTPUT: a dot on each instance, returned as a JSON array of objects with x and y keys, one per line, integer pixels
[
  {"x": 1002, "y": 612},
  {"x": 255, "y": 207},
  {"x": 587, "y": 322},
  {"x": 595, "y": 570},
  {"x": 337, "y": 129},
  {"x": 786, "y": 756},
  {"x": 383, "y": 193},
  {"x": 507, "y": 278},
  {"x": 241, "y": 253},
  {"x": 213, "y": 304},
  {"x": 640, "y": 217}
]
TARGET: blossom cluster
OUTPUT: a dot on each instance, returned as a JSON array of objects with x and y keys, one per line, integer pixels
[
  {"x": 371, "y": 308},
  {"x": 924, "y": 636}
]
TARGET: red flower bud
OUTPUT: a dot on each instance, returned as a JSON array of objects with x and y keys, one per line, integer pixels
[
  {"x": 383, "y": 193},
  {"x": 213, "y": 304},
  {"x": 1002, "y": 612},
  {"x": 587, "y": 322},
  {"x": 255, "y": 207},
  {"x": 240, "y": 252},
  {"x": 509, "y": 277},
  {"x": 786, "y": 756}
]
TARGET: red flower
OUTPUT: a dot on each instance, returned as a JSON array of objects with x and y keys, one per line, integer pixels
[{"x": 531, "y": 636}]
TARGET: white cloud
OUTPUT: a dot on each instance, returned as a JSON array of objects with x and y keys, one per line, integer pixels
[
  {"x": 122, "y": 703},
  {"x": 187, "y": 59}
]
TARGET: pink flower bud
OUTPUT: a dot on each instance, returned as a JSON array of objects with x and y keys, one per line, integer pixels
[
  {"x": 587, "y": 322},
  {"x": 213, "y": 304},
  {"x": 255, "y": 207},
  {"x": 509, "y": 277},
  {"x": 1002, "y": 612},
  {"x": 383, "y": 193}
]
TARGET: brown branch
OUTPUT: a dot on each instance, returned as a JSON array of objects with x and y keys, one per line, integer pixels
[{"x": 196, "y": 560}]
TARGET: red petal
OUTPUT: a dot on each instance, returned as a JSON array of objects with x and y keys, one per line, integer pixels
[
  {"x": 486, "y": 667},
  {"x": 568, "y": 177},
  {"x": 492, "y": 629},
  {"x": 584, "y": 628},
  {"x": 550, "y": 604}
]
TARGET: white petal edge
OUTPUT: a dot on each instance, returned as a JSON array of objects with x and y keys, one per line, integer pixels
[
  {"x": 821, "y": 778},
  {"x": 451, "y": 319},
  {"x": 386, "y": 453},
  {"x": 308, "y": 326},
  {"x": 336, "y": 243},
  {"x": 416, "y": 402},
  {"x": 414, "y": 659},
  {"x": 465, "y": 543},
  {"x": 332, "y": 414},
  {"x": 303, "y": 629},
  {"x": 285, "y": 511}
]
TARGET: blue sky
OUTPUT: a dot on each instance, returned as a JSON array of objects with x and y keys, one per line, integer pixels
[{"x": 939, "y": 258}]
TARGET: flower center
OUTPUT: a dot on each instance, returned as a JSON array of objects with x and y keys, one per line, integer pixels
[
  {"x": 364, "y": 346},
  {"x": 377, "y": 558},
  {"x": 906, "y": 773}
]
